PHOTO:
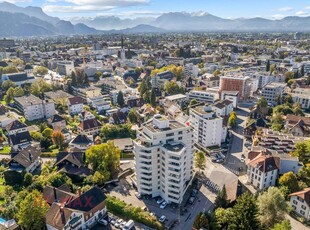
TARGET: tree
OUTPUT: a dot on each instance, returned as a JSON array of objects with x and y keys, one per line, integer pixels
[
  {"x": 304, "y": 176},
  {"x": 221, "y": 199},
  {"x": 120, "y": 99},
  {"x": 40, "y": 71},
  {"x": 172, "y": 88},
  {"x": 200, "y": 160},
  {"x": 39, "y": 87},
  {"x": 268, "y": 66},
  {"x": 10, "y": 69},
  {"x": 32, "y": 211},
  {"x": 27, "y": 179},
  {"x": 262, "y": 102},
  {"x": 47, "y": 133},
  {"x": 153, "y": 98},
  {"x": 302, "y": 151},
  {"x": 289, "y": 180},
  {"x": 272, "y": 207},
  {"x": 97, "y": 76},
  {"x": 18, "y": 92},
  {"x": 7, "y": 84},
  {"x": 58, "y": 139},
  {"x": 288, "y": 76},
  {"x": 216, "y": 73},
  {"x": 223, "y": 218},
  {"x": 277, "y": 122},
  {"x": 58, "y": 179},
  {"x": 246, "y": 213},
  {"x": 193, "y": 102},
  {"x": 133, "y": 116},
  {"x": 73, "y": 79},
  {"x": 104, "y": 158},
  {"x": 232, "y": 120},
  {"x": 110, "y": 132},
  {"x": 201, "y": 221},
  {"x": 284, "y": 225}
]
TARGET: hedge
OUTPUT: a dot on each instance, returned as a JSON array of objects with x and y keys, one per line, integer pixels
[{"x": 118, "y": 207}]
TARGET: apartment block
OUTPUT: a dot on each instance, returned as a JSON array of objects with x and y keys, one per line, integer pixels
[
  {"x": 210, "y": 95},
  {"x": 302, "y": 96},
  {"x": 65, "y": 67},
  {"x": 272, "y": 91},
  {"x": 164, "y": 158},
  {"x": 300, "y": 202},
  {"x": 207, "y": 126},
  {"x": 34, "y": 108},
  {"x": 236, "y": 83}
]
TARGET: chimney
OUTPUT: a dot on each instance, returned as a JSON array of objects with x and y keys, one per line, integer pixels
[
  {"x": 79, "y": 191},
  {"x": 55, "y": 194},
  {"x": 62, "y": 213}
]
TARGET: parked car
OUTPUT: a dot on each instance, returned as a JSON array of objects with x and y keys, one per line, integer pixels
[
  {"x": 194, "y": 192},
  {"x": 103, "y": 222},
  {"x": 191, "y": 200},
  {"x": 138, "y": 195},
  {"x": 162, "y": 219},
  {"x": 160, "y": 201},
  {"x": 163, "y": 205},
  {"x": 129, "y": 225},
  {"x": 122, "y": 225}
]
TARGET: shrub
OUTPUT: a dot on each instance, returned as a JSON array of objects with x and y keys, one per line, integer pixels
[{"x": 121, "y": 208}]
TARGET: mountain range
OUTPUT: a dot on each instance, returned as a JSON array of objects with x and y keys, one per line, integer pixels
[{"x": 32, "y": 21}]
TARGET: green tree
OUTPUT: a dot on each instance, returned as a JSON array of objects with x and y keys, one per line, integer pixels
[
  {"x": 221, "y": 199},
  {"x": 133, "y": 116},
  {"x": 172, "y": 88},
  {"x": 100, "y": 179},
  {"x": 10, "y": 69},
  {"x": 302, "y": 151},
  {"x": 216, "y": 73},
  {"x": 268, "y": 66},
  {"x": 18, "y": 92},
  {"x": 97, "y": 76},
  {"x": 272, "y": 207},
  {"x": 224, "y": 218},
  {"x": 104, "y": 158},
  {"x": 246, "y": 213},
  {"x": 200, "y": 160},
  {"x": 201, "y": 221},
  {"x": 27, "y": 179},
  {"x": 288, "y": 76},
  {"x": 120, "y": 99},
  {"x": 304, "y": 176},
  {"x": 73, "y": 79},
  {"x": 39, "y": 87},
  {"x": 153, "y": 98},
  {"x": 277, "y": 122},
  {"x": 7, "y": 84},
  {"x": 58, "y": 179},
  {"x": 284, "y": 225},
  {"x": 232, "y": 120},
  {"x": 47, "y": 133},
  {"x": 58, "y": 139},
  {"x": 40, "y": 71},
  {"x": 262, "y": 102},
  {"x": 193, "y": 102},
  {"x": 32, "y": 211},
  {"x": 289, "y": 180}
]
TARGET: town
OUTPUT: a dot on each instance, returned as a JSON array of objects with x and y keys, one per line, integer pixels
[{"x": 155, "y": 131}]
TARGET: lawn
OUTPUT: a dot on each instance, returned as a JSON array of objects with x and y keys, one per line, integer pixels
[{"x": 6, "y": 150}]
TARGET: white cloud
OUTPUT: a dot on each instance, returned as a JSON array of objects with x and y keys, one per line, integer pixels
[
  {"x": 285, "y": 9},
  {"x": 307, "y": 8},
  {"x": 72, "y": 6},
  {"x": 301, "y": 13},
  {"x": 18, "y": 1},
  {"x": 278, "y": 16}
]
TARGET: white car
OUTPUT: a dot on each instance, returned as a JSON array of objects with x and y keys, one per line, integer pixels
[
  {"x": 138, "y": 195},
  {"x": 162, "y": 219},
  {"x": 163, "y": 205},
  {"x": 242, "y": 159},
  {"x": 103, "y": 222},
  {"x": 160, "y": 201}
]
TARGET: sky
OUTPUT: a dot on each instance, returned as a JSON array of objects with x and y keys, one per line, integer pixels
[{"x": 272, "y": 9}]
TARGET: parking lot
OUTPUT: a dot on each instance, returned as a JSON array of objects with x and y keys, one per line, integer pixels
[{"x": 185, "y": 217}]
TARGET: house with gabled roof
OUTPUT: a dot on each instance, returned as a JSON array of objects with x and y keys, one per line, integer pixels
[
  {"x": 16, "y": 127},
  {"x": 81, "y": 142},
  {"x": 57, "y": 122},
  {"x": 27, "y": 159},
  {"x": 73, "y": 164},
  {"x": 90, "y": 126},
  {"x": 300, "y": 202},
  {"x": 20, "y": 140},
  {"x": 82, "y": 212},
  {"x": 298, "y": 125},
  {"x": 75, "y": 105}
]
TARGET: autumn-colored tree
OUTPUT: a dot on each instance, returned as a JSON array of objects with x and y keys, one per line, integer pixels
[{"x": 58, "y": 138}]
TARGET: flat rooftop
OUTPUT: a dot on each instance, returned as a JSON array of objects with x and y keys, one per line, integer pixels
[
  {"x": 172, "y": 125},
  {"x": 177, "y": 147}
]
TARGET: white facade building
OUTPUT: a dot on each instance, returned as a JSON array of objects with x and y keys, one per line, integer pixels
[
  {"x": 300, "y": 202},
  {"x": 272, "y": 91},
  {"x": 209, "y": 95},
  {"x": 164, "y": 158},
  {"x": 208, "y": 127},
  {"x": 34, "y": 108},
  {"x": 302, "y": 96}
]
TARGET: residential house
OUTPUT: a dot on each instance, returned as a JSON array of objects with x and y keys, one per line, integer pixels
[
  {"x": 75, "y": 105},
  {"x": 82, "y": 212},
  {"x": 298, "y": 125},
  {"x": 27, "y": 159},
  {"x": 57, "y": 122},
  {"x": 72, "y": 163},
  {"x": 59, "y": 195},
  {"x": 258, "y": 112},
  {"x": 90, "y": 126},
  {"x": 19, "y": 79},
  {"x": 16, "y": 127},
  {"x": 263, "y": 169},
  {"x": 223, "y": 107},
  {"x": 20, "y": 140},
  {"x": 300, "y": 202},
  {"x": 86, "y": 115},
  {"x": 81, "y": 142}
]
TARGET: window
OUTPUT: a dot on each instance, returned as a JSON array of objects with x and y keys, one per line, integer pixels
[
  {"x": 302, "y": 212},
  {"x": 303, "y": 207},
  {"x": 294, "y": 202}
]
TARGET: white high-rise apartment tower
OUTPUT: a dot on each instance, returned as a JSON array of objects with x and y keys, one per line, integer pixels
[{"x": 164, "y": 158}]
